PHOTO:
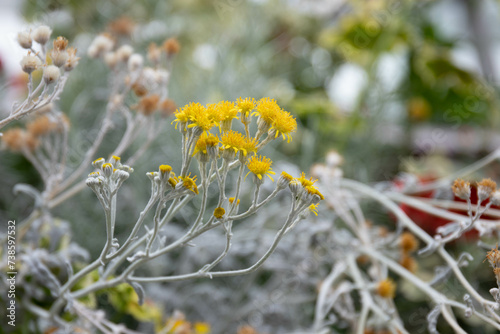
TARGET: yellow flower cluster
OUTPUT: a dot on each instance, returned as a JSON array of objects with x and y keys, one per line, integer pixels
[{"x": 271, "y": 116}]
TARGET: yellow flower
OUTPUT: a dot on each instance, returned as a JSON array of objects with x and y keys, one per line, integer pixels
[
  {"x": 173, "y": 181},
  {"x": 199, "y": 117},
  {"x": 314, "y": 208},
  {"x": 287, "y": 176},
  {"x": 314, "y": 191},
  {"x": 231, "y": 200},
  {"x": 219, "y": 212},
  {"x": 386, "y": 288},
  {"x": 226, "y": 110},
  {"x": 181, "y": 116},
  {"x": 165, "y": 169},
  {"x": 232, "y": 140},
  {"x": 201, "y": 328},
  {"x": 305, "y": 182},
  {"x": 249, "y": 146},
  {"x": 260, "y": 166},
  {"x": 196, "y": 115},
  {"x": 267, "y": 109},
  {"x": 205, "y": 140},
  {"x": 244, "y": 107},
  {"x": 189, "y": 182},
  {"x": 284, "y": 124}
]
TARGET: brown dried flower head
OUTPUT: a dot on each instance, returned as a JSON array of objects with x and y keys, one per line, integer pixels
[
  {"x": 123, "y": 26},
  {"x": 72, "y": 59},
  {"x": 171, "y": 46},
  {"x": 16, "y": 139},
  {"x": 493, "y": 257},
  {"x": 60, "y": 43},
  {"x": 167, "y": 107},
  {"x": 40, "y": 126},
  {"x": 139, "y": 89},
  {"x": 154, "y": 53},
  {"x": 485, "y": 188},
  {"x": 461, "y": 189},
  {"x": 247, "y": 329},
  {"x": 148, "y": 104}
]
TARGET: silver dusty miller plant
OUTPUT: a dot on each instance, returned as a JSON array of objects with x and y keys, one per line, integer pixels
[
  {"x": 221, "y": 137},
  {"x": 367, "y": 259}
]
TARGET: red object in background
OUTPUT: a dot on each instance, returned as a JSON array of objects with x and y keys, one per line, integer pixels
[{"x": 430, "y": 223}]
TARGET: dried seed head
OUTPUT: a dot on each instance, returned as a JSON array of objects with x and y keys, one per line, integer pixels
[
  {"x": 171, "y": 46},
  {"x": 42, "y": 34},
  {"x": 123, "y": 26},
  {"x": 154, "y": 53},
  {"x": 135, "y": 62},
  {"x": 30, "y": 63},
  {"x": 495, "y": 197},
  {"x": 386, "y": 288},
  {"x": 124, "y": 52},
  {"x": 408, "y": 242},
  {"x": 461, "y": 189},
  {"x": 100, "y": 46},
  {"x": 493, "y": 257},
  {"x": 60, "y": 43},
  {"x": 167, "y": 107},
  {"x": 24, "y": 39},
  {"x": 485, "y": 188},
  {"x": 72, "y": 59},
  {"x": 247, "y": 329},
  {"x": 148, "y": 104},
  {"x": 40, "y": 126},
  {"x": 111, "y": 59},
  {"x": 16, "y": 139},
  {"x": 59, "y": 57},
  {"x": 51, "y": 74}
]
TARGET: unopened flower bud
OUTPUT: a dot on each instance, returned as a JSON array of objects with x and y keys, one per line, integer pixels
[
  {"x": 164, "y": 172},
  {"x": 24, "y": 39},
  {"x": 42, "y": 34},
  {"x": 107, "y": 169},
  {"x": 51, "y": 74},
  {"x": 97, "y": 163},
  {"x": 151, "y": 175},
  {"x": 115, "y": 161}
]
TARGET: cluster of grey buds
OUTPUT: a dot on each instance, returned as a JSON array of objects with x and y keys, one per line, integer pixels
[{"x": 109, "y": 176}]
